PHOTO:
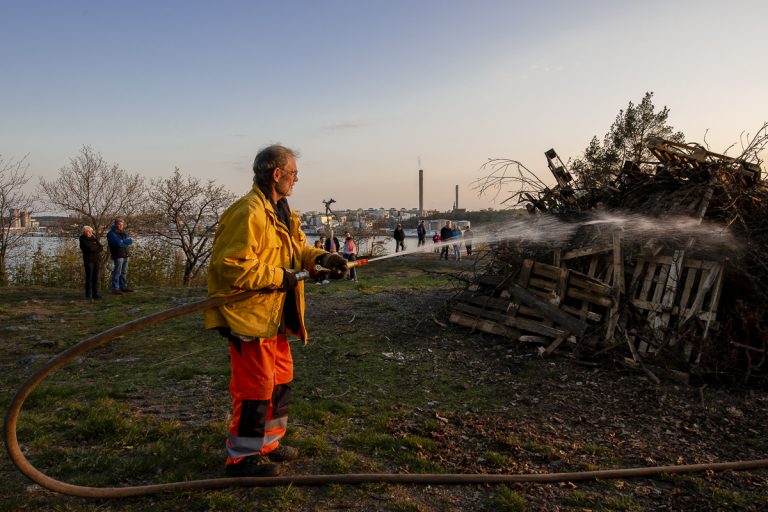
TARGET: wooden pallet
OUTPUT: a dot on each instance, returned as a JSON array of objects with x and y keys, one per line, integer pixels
[
  {"x": 671, "y": 291},
  {"x": 606, "y": 265},
  {"x": 552, "y": 303}
]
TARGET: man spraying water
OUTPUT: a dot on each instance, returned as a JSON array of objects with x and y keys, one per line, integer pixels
[{"x": 259, "y": 246}]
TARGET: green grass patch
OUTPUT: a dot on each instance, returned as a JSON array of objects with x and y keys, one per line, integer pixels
[
  {"x": 333, "y": 416},
  {"x": 606, "y": 503},
  {"x": 540, "y": 449},
  {"x": 505, "y": 499},
  {"x": 347, "y": 462},
  {"x": 595, "y": 449},
  {"x": 498, "y": 459},
  {"x": 377, "y": 443}
]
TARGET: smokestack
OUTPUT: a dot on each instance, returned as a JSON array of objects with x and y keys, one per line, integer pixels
[
  {"x": 457, "y": 197},
  {"x": 421, "y": 192}
]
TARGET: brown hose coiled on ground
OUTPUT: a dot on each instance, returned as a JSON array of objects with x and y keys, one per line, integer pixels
[{"x": 21, "y": 462}]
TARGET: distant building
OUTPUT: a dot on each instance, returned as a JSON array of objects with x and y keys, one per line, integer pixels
[
  {"x": 377, "y": 213},
  {"x": 21, "y": 220},
  {"x": 437, "y": 224},
  {"x": 462, "y": 224}
]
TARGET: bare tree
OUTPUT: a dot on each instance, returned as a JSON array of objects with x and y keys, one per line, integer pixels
[
  {"x": 94, "y": 190},
  {"x": 504, "y": 172},
  {"x": 13, "y": 201},
  {"x": 185, "y": 214}
]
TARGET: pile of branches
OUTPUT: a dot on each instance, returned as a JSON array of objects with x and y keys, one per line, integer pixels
[{"x": 726, "y": 194}]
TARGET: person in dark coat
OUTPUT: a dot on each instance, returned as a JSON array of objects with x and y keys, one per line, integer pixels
[
  {"x": 445, "y": 234},
  {"x": 92, "y": 249},
  {"x": 468, "y": 234},
  {"x": 421, "y": 231},
  {"x": 332, "y": 243},
  {"x": 399, "y": 236}
]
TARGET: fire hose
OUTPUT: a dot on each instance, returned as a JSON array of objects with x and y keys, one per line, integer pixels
[{"x": 85, "y": 346}]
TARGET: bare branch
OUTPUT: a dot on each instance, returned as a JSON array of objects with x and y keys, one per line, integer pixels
[
  {"x": 95, "y": 190},
  {"x": 751, "y": 151},
  {"x": 504, "y": 172},
  {"x": 13, "y": 201},
  {"x": 185, "y": 212}
]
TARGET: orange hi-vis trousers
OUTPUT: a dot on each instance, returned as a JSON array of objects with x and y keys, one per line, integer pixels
[{"x": 262, "y": 371}]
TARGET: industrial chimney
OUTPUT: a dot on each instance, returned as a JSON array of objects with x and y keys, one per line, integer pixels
[
  {"x": 421, "y": 192},
  {"x": 457, "y": 197}
]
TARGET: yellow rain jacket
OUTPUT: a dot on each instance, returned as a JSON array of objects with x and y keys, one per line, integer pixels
[{"x": 250, "y": 250}]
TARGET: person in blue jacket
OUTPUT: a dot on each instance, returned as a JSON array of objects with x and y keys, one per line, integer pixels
[{"x": 118, "y": 242}]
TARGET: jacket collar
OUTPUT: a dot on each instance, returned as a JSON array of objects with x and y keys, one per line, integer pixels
[{"x": 281, "y": 210}]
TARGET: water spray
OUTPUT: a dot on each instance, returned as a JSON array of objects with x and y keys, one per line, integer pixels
[{"x": 552, "y": 231}]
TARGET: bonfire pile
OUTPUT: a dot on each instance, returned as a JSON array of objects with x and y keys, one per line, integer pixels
[{"x": 668, "y": 272}]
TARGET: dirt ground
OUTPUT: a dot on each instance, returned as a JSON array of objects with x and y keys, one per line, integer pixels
[{"x": 562, "y": 415}]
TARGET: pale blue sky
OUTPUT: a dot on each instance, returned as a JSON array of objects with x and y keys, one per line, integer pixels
[{"x": 364, "y": 89}]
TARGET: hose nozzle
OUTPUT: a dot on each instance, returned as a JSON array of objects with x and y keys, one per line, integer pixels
[
  {"x": 357, "y": 263},
  {"x": 303, "y": 275}
]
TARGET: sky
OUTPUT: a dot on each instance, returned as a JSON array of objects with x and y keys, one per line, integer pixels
[{"x": 367, "y": 91}]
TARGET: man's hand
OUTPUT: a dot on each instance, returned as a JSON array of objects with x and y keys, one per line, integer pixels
[
  {"x": 289, "y": 280},
  {"x": 335, "y": 263}
]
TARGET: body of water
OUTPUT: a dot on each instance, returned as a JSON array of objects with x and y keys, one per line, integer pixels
[
  {"x": 387, "y": 243},
  {"x": 49, "y": 244}
]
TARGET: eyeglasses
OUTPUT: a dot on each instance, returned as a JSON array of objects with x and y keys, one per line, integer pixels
[{"x": 292, "y": 173}]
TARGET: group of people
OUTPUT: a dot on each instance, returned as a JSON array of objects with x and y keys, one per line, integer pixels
[
  {"x": 448, "y": 232},
  {"x": 118, "y": 242},
  {"x": 452, "y": 233},
  {"x": 348, "y": 250}
]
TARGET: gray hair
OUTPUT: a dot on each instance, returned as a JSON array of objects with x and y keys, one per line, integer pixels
[
  {"x": 86, "y": 228},
  {"x": 269, "y": 159}
]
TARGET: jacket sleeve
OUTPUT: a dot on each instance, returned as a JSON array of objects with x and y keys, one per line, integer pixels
[
  {"x": 114, "y": 240},
  {"x": 90, "y": 245},
  {"x": 241, "y": 256}
]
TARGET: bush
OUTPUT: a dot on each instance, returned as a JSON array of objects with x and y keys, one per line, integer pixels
[{"x": 152, "y": 262}]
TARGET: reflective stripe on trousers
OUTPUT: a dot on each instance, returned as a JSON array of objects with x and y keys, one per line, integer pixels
[{"x": 262, "y": 372}]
